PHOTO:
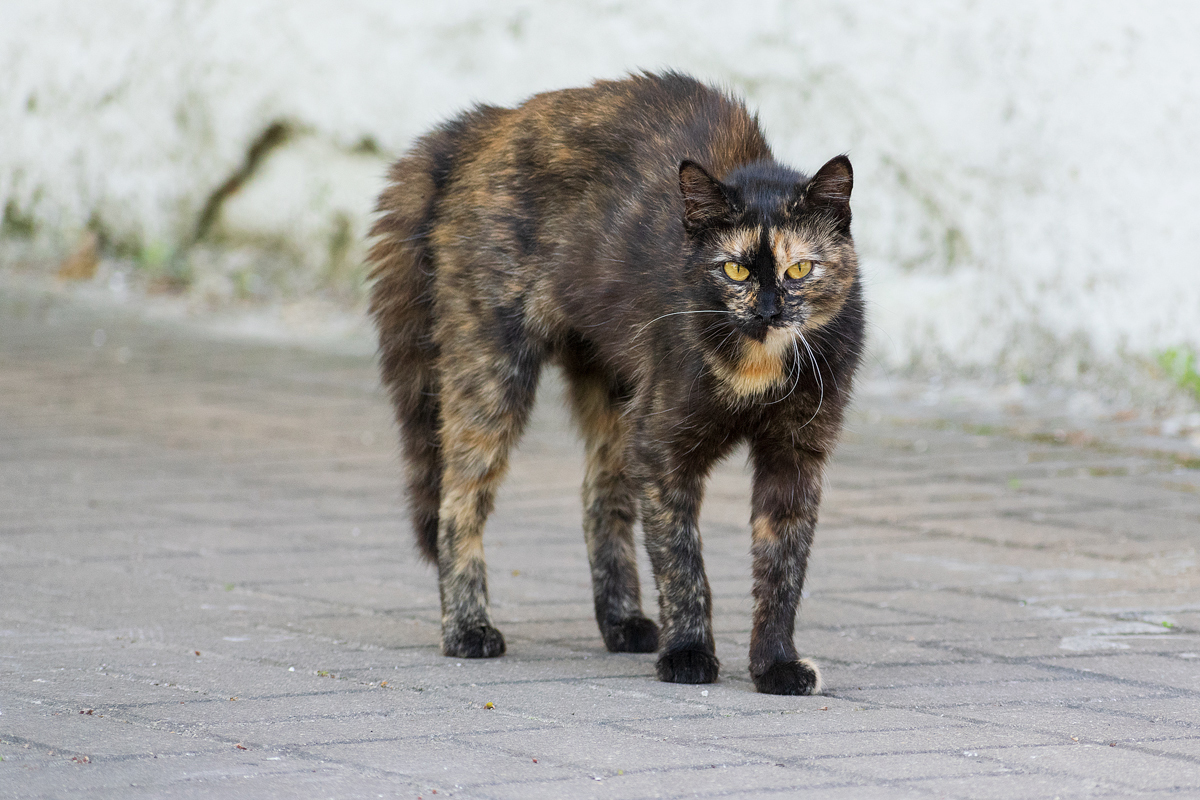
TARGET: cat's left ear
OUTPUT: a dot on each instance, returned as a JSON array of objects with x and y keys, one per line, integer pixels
[
  {"x": 828, "y": 191},
  {"x": 705, "y": 199}
]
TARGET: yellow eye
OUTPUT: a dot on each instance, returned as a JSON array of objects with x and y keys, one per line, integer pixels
[
  {"x": 799, "y": 270},
  {"x": 736, "y": 271}
]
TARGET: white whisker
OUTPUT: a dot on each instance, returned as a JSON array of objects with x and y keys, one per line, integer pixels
[
  {"x": 672, "y": 314},
  {"x": 795, "y": 376},
  {"x": 820, "y": 383}
]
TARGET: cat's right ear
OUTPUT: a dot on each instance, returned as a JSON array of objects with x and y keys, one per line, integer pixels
[{"x": 705, "y": 200}]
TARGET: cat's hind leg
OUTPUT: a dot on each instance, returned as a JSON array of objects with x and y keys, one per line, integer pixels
[
  {"x": 486, "y": 395},
  {"x": 609, "y": 512}
]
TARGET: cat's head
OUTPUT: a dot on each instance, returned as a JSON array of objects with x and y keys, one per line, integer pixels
[{"x": 771, "y": 246}]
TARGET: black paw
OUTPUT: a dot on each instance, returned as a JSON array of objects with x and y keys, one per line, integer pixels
[
  {"x": 688, "y": 666},
  {"x": 480, "y": 641},
  {"x": 633, "y": 635},
  {"x": 795, "y": 677}
]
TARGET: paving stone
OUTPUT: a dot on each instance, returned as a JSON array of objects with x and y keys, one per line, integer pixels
[
  {"x": 718, "y": 780},
  {"x": 973, "y": 606},
  {"x": 1120, "y": 766},
  {"x": 1086, "y": 722}
]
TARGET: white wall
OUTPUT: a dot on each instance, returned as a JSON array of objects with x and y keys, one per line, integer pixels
[{"x": 1027, "y": 173}]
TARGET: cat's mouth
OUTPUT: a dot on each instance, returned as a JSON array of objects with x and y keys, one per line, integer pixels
[{"x": 759, "y": 329}]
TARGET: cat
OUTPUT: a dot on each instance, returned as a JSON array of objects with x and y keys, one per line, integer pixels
[{"x": 695, "y": 293}]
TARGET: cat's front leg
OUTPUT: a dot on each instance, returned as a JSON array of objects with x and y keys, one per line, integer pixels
[
  {"x": 787, "y": 492},
  {"x": 670, "y": 506}
]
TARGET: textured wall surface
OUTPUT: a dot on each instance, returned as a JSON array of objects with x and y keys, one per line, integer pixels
[{"x": 1027, "y": 178}]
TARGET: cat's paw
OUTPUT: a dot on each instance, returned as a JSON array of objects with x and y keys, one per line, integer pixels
[
  {"x": 479, "y": 641},
  {"x": 633, "y": 635},
  {"x": 792, "y": 677},
  {"x": 688, "y": 666}
]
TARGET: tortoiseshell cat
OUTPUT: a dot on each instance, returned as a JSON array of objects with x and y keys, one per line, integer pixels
[{"x": 696, "y": 294}]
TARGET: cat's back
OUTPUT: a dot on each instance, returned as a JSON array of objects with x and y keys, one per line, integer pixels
[
  {"x": 642, "y": 126},
  {"x": 575, "y": 193},
  {"x": 565, "y": 210},
  {"x": 621, "y": 138}
]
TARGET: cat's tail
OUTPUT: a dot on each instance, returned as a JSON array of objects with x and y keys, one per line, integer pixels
[{"x": 402, "y": 298}]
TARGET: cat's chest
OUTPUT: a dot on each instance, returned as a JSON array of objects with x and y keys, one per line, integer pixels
[{"x": 757, "y": 367}]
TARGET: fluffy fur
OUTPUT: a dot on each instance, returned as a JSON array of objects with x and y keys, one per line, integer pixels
[{"x": 590, "y": 228}]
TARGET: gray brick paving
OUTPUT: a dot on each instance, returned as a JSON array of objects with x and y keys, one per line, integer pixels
[{"x": 209, "y": 591}]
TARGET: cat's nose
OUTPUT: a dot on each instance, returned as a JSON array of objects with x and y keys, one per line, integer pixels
[{"x": 769, "y": 306}]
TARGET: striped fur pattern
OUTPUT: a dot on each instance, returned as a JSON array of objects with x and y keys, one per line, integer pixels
[{"x": 591, "y": 228}]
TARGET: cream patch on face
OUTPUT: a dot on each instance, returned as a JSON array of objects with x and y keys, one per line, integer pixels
[
  {"x": 778, "y": 341},
  {"x": 789, "y": 247},
  {"x": 739, "y": 245},
  {"x": 760, "y": 364}
]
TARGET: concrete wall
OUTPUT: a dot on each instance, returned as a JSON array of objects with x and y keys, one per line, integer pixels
[{"x": 1027, "y": 175}]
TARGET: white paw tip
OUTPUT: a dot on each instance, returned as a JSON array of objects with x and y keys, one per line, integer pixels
[{"x": 817, "y": 683}]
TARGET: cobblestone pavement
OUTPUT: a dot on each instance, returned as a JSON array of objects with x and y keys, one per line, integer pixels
[{"x": 209, "y": 591}]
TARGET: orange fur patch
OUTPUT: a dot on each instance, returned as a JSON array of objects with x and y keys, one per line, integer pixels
[
  {"x": 468, "y": 551},
  {"x": 740, "y": 244},
  {"x": 788, "y": 247},
  {"x": 761, "y": 530},
  {"x": 760, "y": 366}
]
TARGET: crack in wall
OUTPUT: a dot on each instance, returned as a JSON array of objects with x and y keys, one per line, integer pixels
[{"x": 274, "y": 135}]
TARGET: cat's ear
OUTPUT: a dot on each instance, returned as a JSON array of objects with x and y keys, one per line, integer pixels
[
  {"x": 828, "y": 191},
  {"x": 705, "y": 200}
]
